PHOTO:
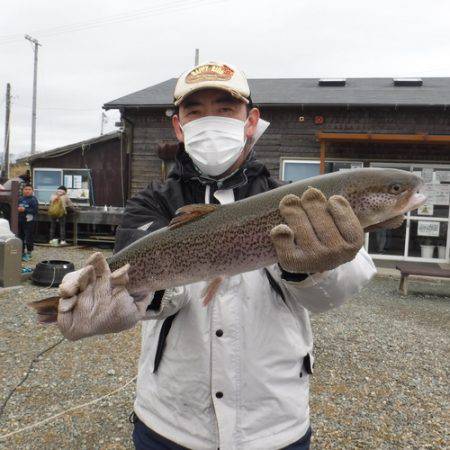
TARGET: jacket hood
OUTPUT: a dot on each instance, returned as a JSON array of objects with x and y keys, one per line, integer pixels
[{"x": 185, "y": 169}]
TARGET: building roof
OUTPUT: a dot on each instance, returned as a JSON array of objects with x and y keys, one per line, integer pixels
[
  {"x": 71, "y": 147},
  {"x": 306, "y": 91}
]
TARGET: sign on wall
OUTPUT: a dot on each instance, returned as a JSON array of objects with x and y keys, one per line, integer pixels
[
  {"x": 443, "y": 176},
  {"x": 427, "y": 175},
  {"x": 426, "y": 209},
  {"x": 68, "y": 181},
  {"x": 427, "y": 228},
  {"x": 437, "y": 194}
]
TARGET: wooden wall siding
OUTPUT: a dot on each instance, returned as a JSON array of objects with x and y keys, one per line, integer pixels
[
  {"x": 288, "y": 137},
  {"x": 103, "y": 159},
  {"x": 150, "y": 129}
]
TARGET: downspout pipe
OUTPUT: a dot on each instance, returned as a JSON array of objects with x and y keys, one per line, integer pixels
[{"x": 129, "y": 137}]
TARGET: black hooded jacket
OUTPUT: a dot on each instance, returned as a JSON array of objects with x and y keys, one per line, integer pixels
[{"x": 155, "y": 206}]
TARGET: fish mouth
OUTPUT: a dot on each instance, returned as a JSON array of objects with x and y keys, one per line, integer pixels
[{"x": 415, "y": 200}]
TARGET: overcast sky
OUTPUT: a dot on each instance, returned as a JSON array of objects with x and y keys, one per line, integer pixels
[{"x": 98, "y": 50}]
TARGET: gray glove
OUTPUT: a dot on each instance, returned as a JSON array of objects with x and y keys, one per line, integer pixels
[{"x": 96, "y": 301}]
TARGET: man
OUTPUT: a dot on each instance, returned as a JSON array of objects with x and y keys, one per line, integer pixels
[
  {"x": 23, "y": 179},
  {"x": 233, "y": 375}
]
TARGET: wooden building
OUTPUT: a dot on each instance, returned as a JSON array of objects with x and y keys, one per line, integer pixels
[
  {"x": 94, "y": 171},
  {"x": 322, "y": 125}
]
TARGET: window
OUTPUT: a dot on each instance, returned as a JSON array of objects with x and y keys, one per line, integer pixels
[
  {"x": 299, "y": 169},
  {"x": 295, "y": 170},
  {"x": 77, "y": 181},
  {"x": 46, "y": 181},
  {"x": 424, "y": 235}
]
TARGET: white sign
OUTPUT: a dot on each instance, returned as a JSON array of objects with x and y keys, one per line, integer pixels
[
  {"x": 437, "y": 194},
  {"x": 78, "y": 193},
  {"x": 426, "y": 209},
  {"x": 77, "y": 181},
  {"x": 443, "y": 176},
  {"x": 427, "y": 175},
  {"x": 442, "y": 195},
  {"x": 425, "y": 228},
  {"x": 68, "y": 181}
]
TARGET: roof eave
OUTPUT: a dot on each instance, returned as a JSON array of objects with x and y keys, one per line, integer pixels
[
  {"x": 346, "y": 105},
  {"x": 292, "y": 105},
  {"x": 70, "y": 147},
  {"x": 108, "y": 106}
]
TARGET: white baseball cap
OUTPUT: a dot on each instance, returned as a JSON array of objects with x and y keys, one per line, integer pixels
[{"x": 212, "y": 75}]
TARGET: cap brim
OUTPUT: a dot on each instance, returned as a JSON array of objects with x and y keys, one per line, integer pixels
[{"x": 234, "y": 93}]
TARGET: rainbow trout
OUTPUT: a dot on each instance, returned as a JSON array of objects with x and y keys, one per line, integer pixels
[{"x": 204, "y": 242}]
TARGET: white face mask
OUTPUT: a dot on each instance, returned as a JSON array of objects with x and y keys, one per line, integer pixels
[{"x": 214, "y": 143}]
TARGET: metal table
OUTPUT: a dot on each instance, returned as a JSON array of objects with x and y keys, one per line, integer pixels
[{"x": 94, "y": 215}]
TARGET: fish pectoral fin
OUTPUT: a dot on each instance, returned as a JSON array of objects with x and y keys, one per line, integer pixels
[
  {"x": 211, "y": 290},
  {"x": 188, "y": 213}
]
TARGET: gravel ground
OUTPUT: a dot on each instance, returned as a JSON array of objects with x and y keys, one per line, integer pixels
[{"x": 380, "y": 379}]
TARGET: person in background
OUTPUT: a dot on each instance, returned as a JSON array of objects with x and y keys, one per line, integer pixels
[
  {"x": 23, "y": 179},
  {"x": 28, "y": 209},
  {"x": 60, "y": 204}
]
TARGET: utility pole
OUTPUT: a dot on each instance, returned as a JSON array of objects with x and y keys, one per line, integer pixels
[
  {"x": 197, "y": 56},
  {"x": 103, "y": 121},
  {"x": 33, "y": 117},
  {"x": 7, "y": 127}
]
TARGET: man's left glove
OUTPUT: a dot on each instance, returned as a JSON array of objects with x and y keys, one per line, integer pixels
[{"x": 319, "y": 234}]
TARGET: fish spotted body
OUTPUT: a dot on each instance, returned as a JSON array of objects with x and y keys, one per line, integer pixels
[{"x": 209, "y": 241}]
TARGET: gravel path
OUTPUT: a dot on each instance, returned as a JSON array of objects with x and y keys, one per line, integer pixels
[{"x": 380, "y": 379}]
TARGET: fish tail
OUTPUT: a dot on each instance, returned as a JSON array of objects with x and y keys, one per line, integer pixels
[{"x": 46, "y": 309}]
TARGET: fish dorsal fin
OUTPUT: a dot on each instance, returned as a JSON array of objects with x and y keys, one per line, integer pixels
[{"x": 188, "y": 213}]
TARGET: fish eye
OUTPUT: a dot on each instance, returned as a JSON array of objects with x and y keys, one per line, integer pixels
[{"x": 395, "y": 188}]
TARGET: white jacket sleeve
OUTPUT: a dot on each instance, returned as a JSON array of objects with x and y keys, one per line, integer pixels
[
  {"x": 321, "y": 292},
  {"x": 172, "y": 300}
]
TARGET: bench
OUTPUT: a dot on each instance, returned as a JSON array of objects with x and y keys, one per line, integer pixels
[{"x": 423, "y": 269}]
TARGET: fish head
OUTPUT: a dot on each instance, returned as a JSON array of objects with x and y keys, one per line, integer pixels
[{"x": 379, "y": 195}]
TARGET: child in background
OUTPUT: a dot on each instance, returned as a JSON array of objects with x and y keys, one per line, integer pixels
[
  {"x": 28, "y": 209},
  {"x": 59, "y": 204}
]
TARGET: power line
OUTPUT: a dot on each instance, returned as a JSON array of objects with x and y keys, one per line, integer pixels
[
  {"x": 96, "y": 21},
  {"x": 27, "y": 373},
  {"x": 69, "y": 27},
  {"x": 175, "y": 7}
]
